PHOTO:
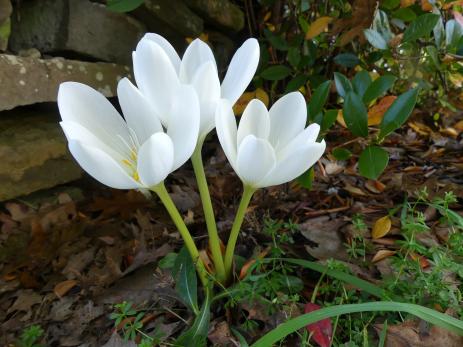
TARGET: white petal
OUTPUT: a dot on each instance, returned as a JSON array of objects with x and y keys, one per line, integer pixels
[
  {"x": 255, "y": 120},
  {"x": 82, "y": 104},
  {"x": 241, "y": 70},
  {"x": 167, "y": 47},
  {"x": 75, "y": 131},
  {"x": 256, "y": 159},
  {"x": 183, "y": 126},
  {"x": 101, "y": 166},
  {"x": 287, "y": 119},
  {"x": 309, "y": 135},
  {"x": 295, "y": 164},
  {"x": 225, "y": 124},
  {"x": 196, "y": 54},
  {"x": 138, "y": 111},
  {"x": 207, "y": 85},
  {"x": 155, "y": 159},
  {"x": 156, "y": 77}
]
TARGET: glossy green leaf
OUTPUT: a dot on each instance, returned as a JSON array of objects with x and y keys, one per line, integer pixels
[
  {"x": 276, "y": 41},
  {"x": 375, "y": 39},
  {"x": 328, "y": 119},
  {"x": 123, "y": 5},
  {"x": 420, "y": 27},
  {"x": 372, "y": 162},
  {"x": 361, "y": 82},
  {"x": 294, "y": 56},
  {"x": 434, "y": 317},
  {"x": 341, "y": 153},
  {"x": 405, "y": 13},
  {"x": 318, "y": 99},
  {"x": 355, "y": 114},
  {"x": 343, "y": 85},
  {"x": 378, "y": 87},
  {"x": 398, "y": 112},
  {"x": 347, "y": 60},
  {"x": 186, "y": 282},
  {"x": 276, "y": 72},
  {"x": 296, "y": 83}
]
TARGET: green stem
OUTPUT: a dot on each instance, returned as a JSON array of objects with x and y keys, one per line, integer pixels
[
  {"x": 214, "y": 241},
  {"x": 161, "y": 191},
  {"x": 245, "y": 199}
]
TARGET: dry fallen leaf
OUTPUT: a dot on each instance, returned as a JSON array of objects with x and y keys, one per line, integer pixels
[
  {"x": 62, "y": 288},
  {"x": 382, "y": 254},
  {"x": 406, "y": 3},
  {"x": 317, "y": 27},
  {"x": 376, "y": 112},
  {"x": 381, "y": 227},
  {"x": 247, "y": 97}
]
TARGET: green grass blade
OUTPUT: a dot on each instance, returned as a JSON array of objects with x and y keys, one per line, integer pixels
[{"x": 440, "y": 319}]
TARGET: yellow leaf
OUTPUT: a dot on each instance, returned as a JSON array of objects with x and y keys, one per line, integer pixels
[
  {"x": 382, "y": 254},
  {"x": 247, "y": 97},
  {"x": 381, "y": 227},
  {"x": 317, "y": 27},
  {"x": 203, "y": 37},
  {"x": 406, "y": 3},
  {"x": 340, "y": 119},
  {"x": 426, "y": 5}
]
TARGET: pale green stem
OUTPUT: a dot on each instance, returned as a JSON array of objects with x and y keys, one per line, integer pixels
[
  {"x": 161, "y": 191},
  {"x": 245, "y": 200},
  {"x": 214, "y": 241}
]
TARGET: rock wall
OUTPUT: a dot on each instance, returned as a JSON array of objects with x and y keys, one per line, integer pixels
[{"x": 46, "y": 42}]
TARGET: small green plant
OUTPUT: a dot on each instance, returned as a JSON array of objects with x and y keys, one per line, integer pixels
[
  {"x": 30, "y": 337},
  {"x": 357, "y": 246}
]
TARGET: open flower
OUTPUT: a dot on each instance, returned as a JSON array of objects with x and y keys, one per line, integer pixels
[
  {"x": 130, "y": 154},
  {"x": 269, "y": 147},
  {"x": 159, "y": 70}
]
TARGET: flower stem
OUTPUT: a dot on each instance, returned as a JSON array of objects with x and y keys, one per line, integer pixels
[
  {"x": 162, "y": 193},
  {"x": 245, "y": 199},
  {"x": 214, "y": 241}
]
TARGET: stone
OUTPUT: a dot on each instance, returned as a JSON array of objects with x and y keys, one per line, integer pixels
[
  {"x": 33, "y": 153},
  {"x": 170, "y": 16},
  {"x": 5, "y": 23},
  {"x": 221, "y": 13},
  {"x": 28, "y": 80},
  {"x": 79, "y": 27}
]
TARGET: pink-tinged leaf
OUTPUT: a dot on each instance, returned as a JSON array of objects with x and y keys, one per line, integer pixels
[
  {"x": 321, "y": 331},
  {"x": 458, "y": 17}
]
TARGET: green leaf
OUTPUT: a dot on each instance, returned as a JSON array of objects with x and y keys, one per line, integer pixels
[
  {"x": 398, "y": 112},
  {"x": 186, "y": 282},
  {"x": 276, "y": 72},
  {"x": 378, "y": 87},
  {"x": 434, "y": 317},
  {"x": 328, "y": 120},
  {"x": 375, "y": 39},
  {"x": 361, "y": 82},
  {"x": 372, "y": 162},
  {"x": 294, "y": 56},
  {"x": 306, "y": 179},
  {"x": 276, "y": 41},
  {"x": 318, "y": 100},
  {"x": 123, "y": 5},
  {"x": 341, "y": 153},
  {"x": 347, "y": 60},
  {"x": 296, "y": 83},
  {"x": 405, "y": 13},
  {"x": 355, "y": 114},
  {"x": 343, "y": 85},
  {"x": 241, "y": 339},
  {"x": 421, "y": 27},
  {"x": 197, "y": 334}
]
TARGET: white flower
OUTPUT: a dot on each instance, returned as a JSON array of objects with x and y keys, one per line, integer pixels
[
  {"x": 131, "y": 154},
  {"x": 159, "y": 70},
  {"x": 269, "y": 147}
]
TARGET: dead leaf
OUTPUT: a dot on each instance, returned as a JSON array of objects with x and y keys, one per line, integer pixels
[
  {"x": 375, "y": 186},
  {"x": 244, "y": 99},
  {"x": 376, "y": 112},
  {"x": 248, "y": 264},
  {"x": 406, "y": 3},
  {"x": 221, "y": 335},
  {"x": 317, "y": 27},
  {"x": 62, "y": 288},
  {"x": 426, "y": 5},
  {"x": 25, "y": 300},
  {"x": 382, "y": 254},
  {"x": 381, "y": 228}
]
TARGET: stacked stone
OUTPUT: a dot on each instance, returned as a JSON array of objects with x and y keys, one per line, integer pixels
[{"x": 97, "y": 44}]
